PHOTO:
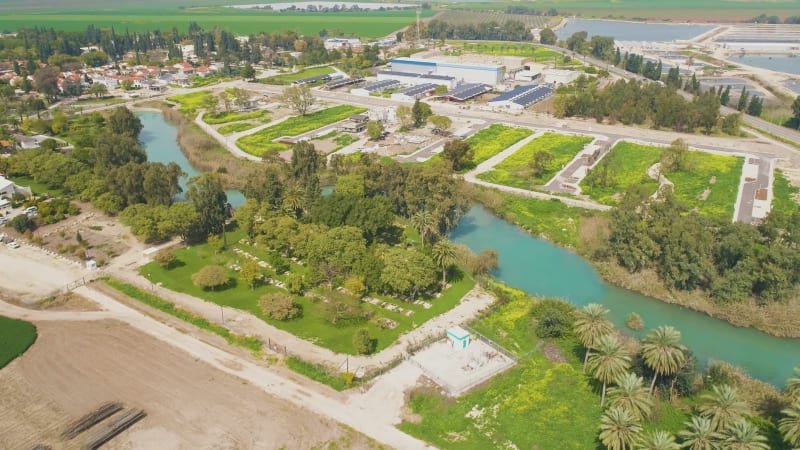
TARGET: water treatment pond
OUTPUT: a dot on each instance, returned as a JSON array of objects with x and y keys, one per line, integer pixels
[{"x": 633, "y": 31}]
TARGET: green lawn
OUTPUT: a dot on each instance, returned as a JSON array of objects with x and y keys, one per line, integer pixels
[
  {"x": 15, "y": 337},
  {"x": 783, "y": 194},
  {"x": 626, "y": 165},
  {"x": 233, "y": 116},
  {"x": 236, "y": 127},
  {"x": 516, "y": 170},
  {"x": 191, "y": 102},
  {"x": 538, "y": 54},
  {"x": 260, "y": 142},
  {"x": 38, "y": 188},
  {"x": 287, "y": 78},
  {"x": 493, "y": 140},
  {"x": 312, "y": 326},
  {"x": 550, "y": 219},
  {"x": 705, "y": 171}
]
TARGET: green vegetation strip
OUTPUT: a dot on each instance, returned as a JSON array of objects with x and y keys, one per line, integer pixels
[
  {"x": 625, "y": 165},
  {"x": 494, "y": 139},
  {"x": 518, "y": 169},
  {"x": 237, "y": 127},
  {"x": 287, "y": 78},
  {"x": 16, "y": 336},
  {"x": 232, "y": 116},
  {"x": 191, "y": 102},
  {"x": 261, "y": 142},
  {"x": 248, "y": 342},
  {"x": 784, "y": 194},
  {"x": 550, "y": 219},
  {"x": 316, "y": 373}
]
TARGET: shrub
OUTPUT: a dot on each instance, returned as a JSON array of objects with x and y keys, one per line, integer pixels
[
  {"x": 634, "y": 321},
  {"x": 355, "y": 285},
  {"x": 295, "y": 283},
  {"x": 166, "y": 258},
  {"x": 21, "y": 223},
  {"x": 211, "y": 277},
  {"x": 279, "y": 306},
  {"x": 554, "y": 318},
  {"x": 344, "y": 312},
  {"x": 363, "y": 342}
]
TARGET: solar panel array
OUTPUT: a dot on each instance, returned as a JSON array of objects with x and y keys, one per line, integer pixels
[
  {"x": 468, "y": 91},
  {"x": 429, "y": 76},
  {"x": 418, "y": 89},
  {"x": 340, "y": 83},
  {"x": 525, "y": 95},
  {"x": 381, "y": 85},
  {"x": 313, "y": 79}
]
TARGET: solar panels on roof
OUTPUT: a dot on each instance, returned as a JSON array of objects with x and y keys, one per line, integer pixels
[
  {"x": 340, "y": 83},
  {"x": 468, "y": 91},
  {"x": 313, "y": 79},
  {"x": 394, "y": 73},
  {"x": 419, "y": 89},
  {"x": 525, "y": 95},
  {"x": 381, "y": 85}
]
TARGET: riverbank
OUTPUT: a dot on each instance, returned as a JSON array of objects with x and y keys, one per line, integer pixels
[{"x": 585, "y": 233}]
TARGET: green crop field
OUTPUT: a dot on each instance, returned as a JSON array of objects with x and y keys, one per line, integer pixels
[
  {"x": 191, "y": 102},
  {"x": 148, "y": 17},
  {"x": 626, "y": 165},
  {"x": 516, "y": 171},
  {"x": 260, "y": 142},
  {"x": 493, "y": 140},
  {"x": 232, "y": 116},
  {"x": 539, "y": 54},
  {"x": 235, "y": 127},
  {"x": 784, "y": 194},
  {"x": 312, "y": 325},
  {"x": 287, "y": 78},
  {"x": 15, "y": 337}
]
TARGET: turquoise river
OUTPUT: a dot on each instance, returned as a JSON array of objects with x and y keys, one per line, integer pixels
[{"x": 543, "y": 269}]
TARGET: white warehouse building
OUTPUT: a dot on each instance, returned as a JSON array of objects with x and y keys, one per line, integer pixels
[{"x": 463, "y": 73}]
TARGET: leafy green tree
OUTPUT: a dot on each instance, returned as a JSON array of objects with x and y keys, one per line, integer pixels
[
  {"x": 126, "y": 84},
  {"x": 755, "y": 106},
  {"x": 700, "y": 434},
  {"x": 458, "y": 153},
  {"x": 21, "y": 223},
  {"x": 657, "y": 440},
  {"x": 609, "y": 362},
  {"x": 248, "y": 72},
  {"x": 180, "y": 220},
  {"x": 630, "y": 394},
  {"x": 250, "y": 273},
  {"x": 540, "y": 161},
  {"x": 548, "y": 37},
  {"x": 444, "y": 255},
  {"x": 796, "y": 111},
  {"x": 123, "y": 122},
  {"x": 442, "y": 122},
  {"x": 591, "y": 323},
  {"x": 663, "y": 352},
  {"x": 743, "y": 97},
  {"x": 336, "y": 252},
  {"x": 743, "y": 435},
  {"x": 279, "y": 306},
  {"x": 71, "y": 88},
  {"x": 46, "y": 82},
  {"x": 420, "y": 113},
  {"x": 94, "y": 58},
  {"x": 363, "y": 342},
  {"x": 404, "y": 117},
  {"x": 619, "y": 429},
  {"x": 374, "y": 129},
  {"x": 407, "y": 272},
  {"x": 295, "y": 283},
  {"x": 723, "y": 407},
  {"x": 98, "y": 90},
  {"x": 576, "y": 41},
  {"x": 673, "y": 157},
  {"x": 299, "y": 98},
  {"x": 166, "y": 258},
  {"x": 208, "y": 197},
  {"x": 211, "y": 277},
  {"x": 160, "y": 183},
  {"x": 725, "y": 97}
]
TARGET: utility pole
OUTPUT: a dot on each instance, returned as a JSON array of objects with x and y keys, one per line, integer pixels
[{"x": 418, "y": 36}]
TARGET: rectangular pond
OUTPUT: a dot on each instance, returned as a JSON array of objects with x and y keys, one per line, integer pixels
[
  {"x": 778, "y": 63},
  {"x": 633, "y": 31}
]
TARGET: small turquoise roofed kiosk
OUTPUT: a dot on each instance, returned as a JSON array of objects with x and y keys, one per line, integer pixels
[{"x": 458, "y": 337}]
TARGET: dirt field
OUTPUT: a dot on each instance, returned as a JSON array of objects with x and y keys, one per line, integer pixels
[
  {"x": 20, "y": 264},
  {"x": 75, "y": 366}
]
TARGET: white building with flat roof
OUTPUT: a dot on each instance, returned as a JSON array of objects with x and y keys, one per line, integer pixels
[{"x": 463, "y": 73}]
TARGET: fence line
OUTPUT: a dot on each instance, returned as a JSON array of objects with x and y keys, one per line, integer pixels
[{"x": 491, "y": 343}]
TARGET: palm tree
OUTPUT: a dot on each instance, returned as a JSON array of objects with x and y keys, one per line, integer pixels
[
  {"x": 590, "y": 324},
  {"x": 790, "y": 425},
  {"x": 424, "y": 222},
  {"x": 444, "y": 254},
  {"x": 619, "y": 429},
  {"x": 793, "y": 384},
  {"x": 610, "y": 362},
  {"x": 742, "y": 435},
  {"x": 658, "y": 440},
  {"x": 663, "y": 352},
  {"x": 293, "y": 201},
  {"x": 723, "y": 407},
  {"x": 700, "y": 434},
  {"x": 629, "y": 393}
]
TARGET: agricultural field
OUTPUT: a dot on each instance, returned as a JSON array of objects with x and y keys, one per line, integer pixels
[
  {"x": 152, "y": 16},
  {"x": 517, "y": 170},
  {"x": 469, "y": 16},
  {"x": 233, "y": 116},
  {"x": 312, "y": 324},
  {"x": 526, "y": 50},
  {"x": 705, "y": 181},
  {"x": 494, "y": 139},
  {"x": 236, "y": 127},
  {"x": 15, "y": 337},
  {"x": 287, "y": 78},
  {"x": 191, "y": 102},
  {"x": 261, "y": 142},
  {"x": 784, "y": 194}
]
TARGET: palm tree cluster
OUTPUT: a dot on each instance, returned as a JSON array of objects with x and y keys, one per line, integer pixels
[{"x": 722, "y": 415}]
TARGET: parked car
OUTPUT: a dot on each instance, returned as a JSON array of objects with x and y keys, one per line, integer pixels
[
  {"x": 4, "y": 220},
  {"x": 31, "y": 210},
  {"x": 12, "y": 244}
]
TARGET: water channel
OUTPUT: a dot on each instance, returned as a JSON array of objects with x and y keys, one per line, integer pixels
[
  {"x": 543, "y": 269},
  {"x": 160, "y": 140}
]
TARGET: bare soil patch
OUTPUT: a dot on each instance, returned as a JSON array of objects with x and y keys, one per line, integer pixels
[{"x": 75, "y": 366}]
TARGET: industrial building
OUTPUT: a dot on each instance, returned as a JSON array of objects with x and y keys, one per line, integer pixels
[
  {"x": 345, "y": 82},
  {"x": 560, "y": 76},
  {"x": 467, "y": 91},
  {"x": 412, "y": 79},
  {"x": 521, "y": 97},
  {"x": 415, "y": 92},
  {"x": 376, "y": 87},
  {"x": 463, "y": 73}
]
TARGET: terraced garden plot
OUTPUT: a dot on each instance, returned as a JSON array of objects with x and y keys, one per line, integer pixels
[
  {"x": 493, "y": 140},
  {"x": 518, "y": 170},
  {"x": 260, "y": 143},
  {"x": 709, "y": 183},
  {"x": 625, "y": 165},
  {"x": 233, "y": 116},
  {"x": 236, "y": 127}
]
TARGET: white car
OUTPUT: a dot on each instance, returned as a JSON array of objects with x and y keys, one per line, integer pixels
[
  {"x": 4, "y": 220},
  {"x": 12, "y": 244}
]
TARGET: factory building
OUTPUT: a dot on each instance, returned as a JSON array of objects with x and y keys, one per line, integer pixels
[
  {"x": 413, "y": 79},
  {"x": 521, "y": 97},
  {"x": 415, "y": 92},
  {"x": 463, "y": 73}
]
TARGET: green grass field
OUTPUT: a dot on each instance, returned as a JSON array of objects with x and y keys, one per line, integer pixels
[
  {"x": 287, "y": 78},
  {"x": 718, "y": 175},
  {"x": 627, "y": 165},
  {"x": 36, "y": 187},
  {"x": 16, "y": 336},
  {"x": 260, "y": 142},
  {"x": 783, "y": 198},
  {"x": 515, "y": 171},
  {"x": 539, "y": 54},
  {"x": 312, "y": 326},
  {"x": 493, "y": 140},
  {"x": 191, "y": 102},
  {"x": 232, "y": 116},
  {"x": 550, "y": 219},
  {"x": 148, "y": 17},
  {"x": 235, "y": 127}
]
